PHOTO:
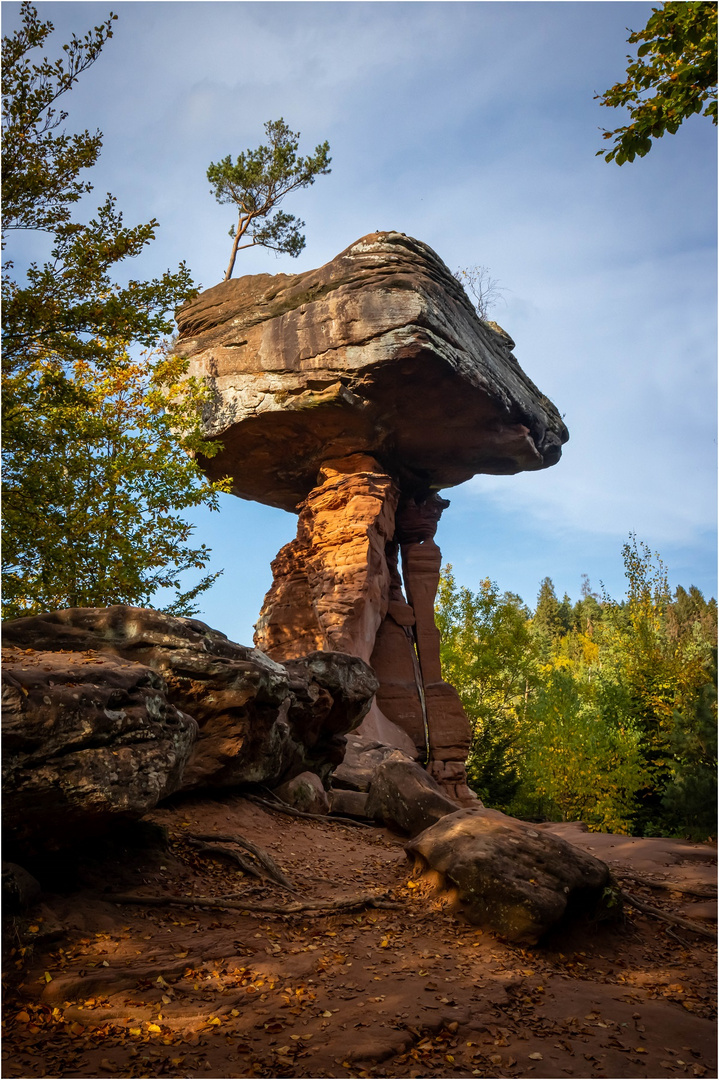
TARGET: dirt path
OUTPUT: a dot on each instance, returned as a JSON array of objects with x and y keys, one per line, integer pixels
[{"x": 96, "y": 989}]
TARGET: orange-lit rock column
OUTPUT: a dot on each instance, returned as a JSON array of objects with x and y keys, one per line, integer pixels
[{"x": 330, "y": 588}]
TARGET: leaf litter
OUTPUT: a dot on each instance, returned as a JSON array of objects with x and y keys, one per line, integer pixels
[{"x": 408, "y": 991}]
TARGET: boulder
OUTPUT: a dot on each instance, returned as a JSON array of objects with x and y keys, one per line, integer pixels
[
  {"x": 507, "y": 876},
  {"x": 404, "y": 796},
  {"x": 306, "y": 793},
  {"x": 348, "y": 803},
  {"x": 20, "y": 890},
  {"x": 378, "y": 352},
  {"x": 362, "y": 759},
  {"x": 87, "y": 739},
  {"x": 259, "y": 722}
]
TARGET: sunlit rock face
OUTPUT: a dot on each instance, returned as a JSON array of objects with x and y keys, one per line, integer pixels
[
  {"x": 379, "y": 352},
  {"x": 352, "y": 394}
]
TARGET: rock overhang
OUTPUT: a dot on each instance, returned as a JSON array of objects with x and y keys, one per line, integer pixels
[{"x": 379, "y": 351}]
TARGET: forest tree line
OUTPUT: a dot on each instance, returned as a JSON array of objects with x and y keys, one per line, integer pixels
[{"x": 602, "y": 711}]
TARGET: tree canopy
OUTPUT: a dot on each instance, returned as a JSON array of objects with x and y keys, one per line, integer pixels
[
  {"x": 603, "y": 711},
  {"x": 673, "y": 76},
  {"x": 258, "y": 181},
  {"x": 95, "y": 437}
]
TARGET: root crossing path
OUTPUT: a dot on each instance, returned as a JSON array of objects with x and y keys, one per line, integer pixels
[{"x": 401, "y": 989}]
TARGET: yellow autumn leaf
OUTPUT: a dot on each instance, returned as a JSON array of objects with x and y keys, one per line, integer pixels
[
  {"x": 154, "y": 1028},
  {"x": 214, "y": 1020},
  {"x": 48, "y": 977}
]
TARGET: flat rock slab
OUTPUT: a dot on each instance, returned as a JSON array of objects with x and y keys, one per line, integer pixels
[
  {"x": 379, "y": 351},
  {"x": 259, "y": 721},
  {"x": 509, "y": 877},
  {"x": 86, "y": 739}
]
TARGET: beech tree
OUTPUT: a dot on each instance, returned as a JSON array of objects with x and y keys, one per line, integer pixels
[
  {"x": 95, "y": 439},
  {"x": 674, "y": 76},
  {"x": 258, "y": 181}
]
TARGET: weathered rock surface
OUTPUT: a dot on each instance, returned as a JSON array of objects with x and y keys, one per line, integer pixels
[
  {"x": 347, "y": 803},
  {"x": 404, "y": 796},
  {"x": 259, "y": 722},
  {"x": 306, "y": 793},
  {"x": 352, "y": 394},
  {"x": 20, "y": 889},
  {"x": 379, "y": 352},
  {"x": 330, "y": 585},
  {"x": 86, "y": 739},
  {"x": 406, "y": 655},
  {"x": 509, "y": 877},
  {"x": 361, "y": 760}
]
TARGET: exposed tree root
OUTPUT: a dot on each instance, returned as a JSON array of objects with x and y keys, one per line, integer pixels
[
  {"x": 673, "y": 920},
  {"x": 221, "y": 903},
  {"x": 269, "y": 868},
  {"x": 214, "y": 851},
  {"x": 667, "y": 886},
  {"x": 283, "y": 808}
]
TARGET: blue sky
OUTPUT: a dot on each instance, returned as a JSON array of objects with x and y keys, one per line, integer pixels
[{"x": 473, "y": 127}]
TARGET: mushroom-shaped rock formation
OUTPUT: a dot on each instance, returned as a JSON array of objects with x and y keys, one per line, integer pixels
[{"x": 352, "y": 394}]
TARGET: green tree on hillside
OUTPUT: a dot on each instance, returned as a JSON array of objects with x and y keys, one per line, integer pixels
[
  {"x": 551, "y": 619},
  {"x": 488, "y": 655},
  {"x": 673, "y": 77},
  {"x": 95, "y": 441},
  {"x": 608, "y": 716},
  {"x": 258, "y": 181}
]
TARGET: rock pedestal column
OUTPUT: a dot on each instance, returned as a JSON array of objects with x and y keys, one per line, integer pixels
[
  {"x": 331, "y": 584},
  {"x": 337, "y": 586},
  {"x": 406, "y": 657}
]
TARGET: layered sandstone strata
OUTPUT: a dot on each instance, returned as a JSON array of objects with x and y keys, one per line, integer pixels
[
  {"x": 378, "y": 352},
  {"x": 331, "y": 584},
  {"x": 353, "y": 394}
]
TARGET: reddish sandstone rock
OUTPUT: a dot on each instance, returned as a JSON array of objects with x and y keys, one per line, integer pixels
[
  {"x": 353, "y": 393},
  {"x": 378, "y": 352},
  {"x": 330, "y": 586},
  {"x": 306, "y": 793},
  {"x": 507, "y": 876},
  {"x": 405, "y": 797},
  {"x": 259, "y": 722}
]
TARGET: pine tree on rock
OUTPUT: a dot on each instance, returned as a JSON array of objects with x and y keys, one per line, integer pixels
[{"x": 258, "y": 181}]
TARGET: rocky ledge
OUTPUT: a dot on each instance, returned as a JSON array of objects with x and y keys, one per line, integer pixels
[
  {"x": 108, "y": 710},
  {"x": 379, "y": 351}
]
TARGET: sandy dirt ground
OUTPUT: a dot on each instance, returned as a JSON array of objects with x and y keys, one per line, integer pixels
[{"x": 94, "y": 988}]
